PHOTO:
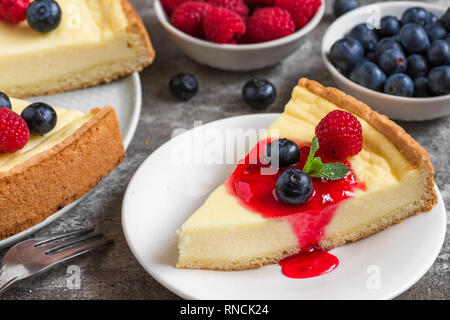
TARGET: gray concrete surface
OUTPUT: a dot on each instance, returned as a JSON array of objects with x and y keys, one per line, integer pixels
[{"x": 115, "y": 273}]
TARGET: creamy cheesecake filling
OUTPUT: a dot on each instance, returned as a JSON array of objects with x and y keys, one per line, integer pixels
[
  {"x": 98, "y": 56},
  {"x": 83, "y": 22},
  {"x": 356, "y": 217},
  {"x": 69, "y": 121}
]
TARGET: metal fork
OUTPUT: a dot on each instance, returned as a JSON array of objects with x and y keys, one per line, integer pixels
[{"x": 37, "y": 255}]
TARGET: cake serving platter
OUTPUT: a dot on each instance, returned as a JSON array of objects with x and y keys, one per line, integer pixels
[
  {"x": 125, "y": 95},
  {"x": 156, "y": 203}
]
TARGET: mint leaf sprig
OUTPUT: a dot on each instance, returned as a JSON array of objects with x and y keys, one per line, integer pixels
[{"x": 317, "y": 169}]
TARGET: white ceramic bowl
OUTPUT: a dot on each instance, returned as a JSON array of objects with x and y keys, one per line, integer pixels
[
  {"x": 399, "y": 108},
  {"x": 241, "y": 57}
]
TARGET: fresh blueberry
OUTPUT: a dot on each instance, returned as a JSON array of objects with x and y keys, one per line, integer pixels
[
  {"x": 421, "y": 88},
  {"x": 293, "y": 186},
  {"x": 4, "y": 100},
  {"x": 366, "y": 36},
  {"x": 399, "y": 84},
  {"x": 369, "y": 75},
  {"x": 183, "y": 86},
  {"x": 392, "y": 61},
  {"x": 416, "y": 15},
  {"x": 447, "y": 38},
  {"x": 439, "y": 53},
  {"x": 386, "y": 44},
  {"x": 259, "y": 93},
  {"x": 435, "y": 31},
  {"x": 414, "y": 38},
  {"x": 439, "y": 80},
  {"x": 417, "y": 66},
  {"x": 282, "y": 153},
  {"x": 445, "y": 19},
  {"x": 44, "y": 15},
  {"x": 343, "y": 6},
  {"x": 433, "y": 18},
  {"x": 345, "y": 54},
  {"x": 389, "y": 26},
  {"x": 40, "y": 118}
]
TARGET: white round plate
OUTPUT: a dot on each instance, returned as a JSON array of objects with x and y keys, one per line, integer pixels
[
  {"x": 126, "y": 98},
  {"x": 164, "y": 192}
]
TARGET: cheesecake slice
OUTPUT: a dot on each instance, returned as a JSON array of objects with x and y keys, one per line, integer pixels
[
  {"x": 393, "y": 176},
  {"x": 57, "y": 168},
  {"x": 97, "y": 41}
]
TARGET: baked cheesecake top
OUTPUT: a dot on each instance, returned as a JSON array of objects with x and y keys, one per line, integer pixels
[
  {"x": 83, "y": 21},
  {"x": 68, "y": 122}
]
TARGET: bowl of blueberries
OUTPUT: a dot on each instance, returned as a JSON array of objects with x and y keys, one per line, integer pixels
[{"x": 394, "y": 56}]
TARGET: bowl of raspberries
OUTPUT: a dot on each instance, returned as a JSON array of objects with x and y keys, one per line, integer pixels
[
  {"x": 394, "y": 56},
  {"x": 239, "y": 35}
]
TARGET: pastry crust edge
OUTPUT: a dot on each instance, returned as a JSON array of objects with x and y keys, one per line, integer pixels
[
  {"x": 13, "y": 222},
  {"x": 137, "y": 26}
]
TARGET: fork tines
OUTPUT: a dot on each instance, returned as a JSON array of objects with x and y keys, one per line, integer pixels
[
  {"x": 62, "y": 236},
  {"x": 82, "y": 239}
]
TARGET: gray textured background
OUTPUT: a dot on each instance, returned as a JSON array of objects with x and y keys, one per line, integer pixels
[{"x": 115, "y": 273}]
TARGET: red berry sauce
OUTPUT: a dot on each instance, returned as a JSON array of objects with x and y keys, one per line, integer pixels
[
  {"x": 308, "y": 264},
  {"x": 308, "y": 220}
]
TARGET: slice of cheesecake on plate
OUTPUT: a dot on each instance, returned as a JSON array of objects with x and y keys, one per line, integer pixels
[
  {"x": 243, "y": 225},
  {"x": 96, "y": 41},
  {"x": 55, "y": 169}
]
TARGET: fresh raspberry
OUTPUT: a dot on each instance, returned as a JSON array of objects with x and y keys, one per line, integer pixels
[
  {"x": 189, "y": 16},
  {"x": 170, "y": 5},
  {"x": 13, "y": 11},
  {"x": 339, "y": 134},
  {"x": 304, "y": 153},
  {"x": 237, "y": 6},
  {"x": 269, "y": 24},
  {"x": 14, "y": 133},
  {"x": 259, "y": 3},
  {"x": 301, "y": 10},
  {"x": 223, "y": 26}
]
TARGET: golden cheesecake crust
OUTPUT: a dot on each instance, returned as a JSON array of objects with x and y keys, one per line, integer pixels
[
  {"x": 137, "y": 26},
  {"x": 34, "y": 190}
]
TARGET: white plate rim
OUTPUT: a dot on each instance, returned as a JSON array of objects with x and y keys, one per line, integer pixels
[
  {"x": 127, "y": 137},
  {"x": 185, "y": 295},
  {"x": 136, "y": 110}
]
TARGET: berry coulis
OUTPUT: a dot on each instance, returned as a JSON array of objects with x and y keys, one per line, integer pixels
[
  {"x": 309, "y": 263},
  {"x": 253, "y": 182}
]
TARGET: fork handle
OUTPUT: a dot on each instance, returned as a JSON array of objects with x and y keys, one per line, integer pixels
[{"x": 6, "y": 279}]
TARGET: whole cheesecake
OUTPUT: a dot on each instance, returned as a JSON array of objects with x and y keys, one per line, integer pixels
[
  {"x": 242, "y": 225},
  {"x": 97, "y": 41},
  {"x": 57, "y": 168}
]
